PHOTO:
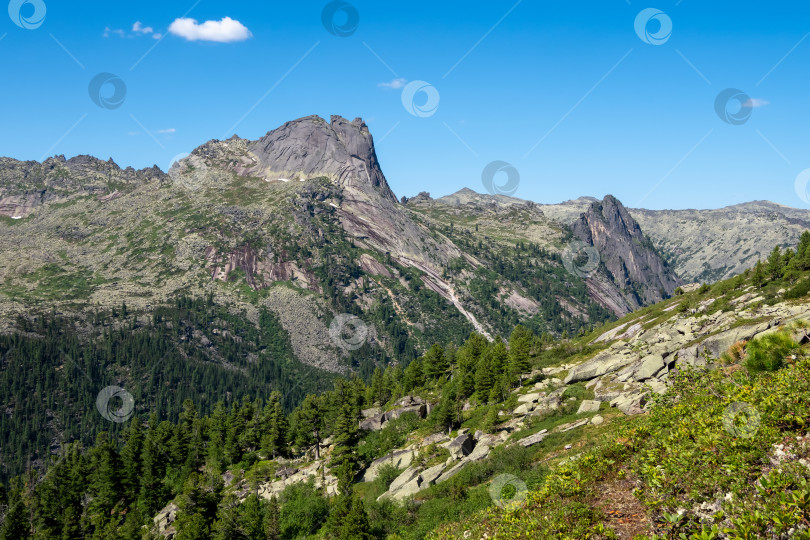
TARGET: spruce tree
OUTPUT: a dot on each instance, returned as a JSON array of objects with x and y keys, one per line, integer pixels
[
  {"x": 309, "y": 423},
  {"x": 519, "y": 348},
  {"x": 15, "y": 525},
  {"x": 131, "y": 460},
  {"x": 775, "y": 264},
  {"x": 435, "y": 362},
  {"x": 274, "y": 427},
  {"x": 272, "y": 525}
]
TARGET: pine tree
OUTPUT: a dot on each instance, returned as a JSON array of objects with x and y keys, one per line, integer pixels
[
  {"x": 309, "y": 423},
  {"x": 251, "y": 518},
  {"x": 346, "y": 436},
  {"x": 356, "y": 525},
  {"x": 519, "y": 348},
  {"x": 15, "y": 526},
  {"x": 105, "y": 471},
  {"x": 435, "y": 362},
  {"x": 413, "y": 376},
  {"x": 272, "y": 525},
  {"x": 758, "y": 275},
  {"x": 484, "y": 378},
  {"x": 131, "y": 460},
  {"x": 775, "y": 264},
  {"x": 274, "y": 427},
  {"x": 500, "y": 357}
]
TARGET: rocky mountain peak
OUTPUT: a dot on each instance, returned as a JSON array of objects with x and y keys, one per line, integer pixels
[
  {"x": 635, "y": 267},
  {"x": 309, "y": 147}
]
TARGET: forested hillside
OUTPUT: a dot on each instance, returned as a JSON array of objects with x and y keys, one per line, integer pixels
[{"x": 659, "y": 444}]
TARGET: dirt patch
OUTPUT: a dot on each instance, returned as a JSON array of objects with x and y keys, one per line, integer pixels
[{"x": 625, "y": 513}]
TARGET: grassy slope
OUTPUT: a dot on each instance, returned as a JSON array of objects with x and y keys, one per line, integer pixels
[{"x": 691, "y": 468}]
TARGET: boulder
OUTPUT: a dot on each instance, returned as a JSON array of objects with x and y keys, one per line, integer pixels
[
  {"x": 523, "y": 409},
  {"x": 373, "y": 411},
  {"x": 533, "y": 439},
  {"x": 650, "y": 365},
  {"x": 571, "y": 425},
  {"x": 373, "y": 423},
  {"x": 596, "y": 420},
  {"x": 460, "y": 446},
  {"x": 408, "y": 490},
  {"x": 420, "y": 410},
  {"x": 529, "y": 398},
  {"x": 630, "y": 403},
  {"x": 430, "y": 474},
  {"x": 408, "y": 475},
  {"x": 164, "y": 519},
  {"x": 606, "y": 361},
  {"x": 481, "y": 451},
  {"x": 451, "y": 472},
  {"x": 399, "y": 459},
  {"x": 589, "y": 405}
]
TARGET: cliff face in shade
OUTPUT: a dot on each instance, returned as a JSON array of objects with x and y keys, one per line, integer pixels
[{"x": 636, "y": 269}]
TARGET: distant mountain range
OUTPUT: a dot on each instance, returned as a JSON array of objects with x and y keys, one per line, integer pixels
[{"x": 304, "y": 221}]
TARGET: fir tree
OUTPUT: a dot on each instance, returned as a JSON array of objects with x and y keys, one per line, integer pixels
[
  {"x": 435, "y": 362},
  {"x": 775, "y": 264},
  {"x": 272, "y": 525}
]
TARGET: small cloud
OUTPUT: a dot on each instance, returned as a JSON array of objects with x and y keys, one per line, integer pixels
[
  {"x": 169, "y": 130},
  {"x": 157, "y": 35},
  {"x": 138, "y": 28},
  {"x": 754, "y": 103},
  {"x": 225, "y": 31},
  {"x": 109, "y": 31},
  {"x": 396, "y": 84},
  {"x": 133, "y": 133}
]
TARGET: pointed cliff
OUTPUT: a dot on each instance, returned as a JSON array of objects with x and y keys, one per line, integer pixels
[{"x": 634, "y": 267}]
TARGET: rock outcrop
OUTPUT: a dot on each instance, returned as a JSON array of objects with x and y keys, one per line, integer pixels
[{"x": 636, "y": 269}]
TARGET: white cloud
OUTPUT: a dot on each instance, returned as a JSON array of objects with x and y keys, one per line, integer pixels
[
  {"x": 109, "y": 31},
  {"x": 224, "y": 31},
  {"x": 140, "y": 29},
  {"x": 754, "y": 103},
  {"x": 396, "y": 84},
  {"x": 133, "y": 133},
  {"x": 169, "y": 130}
]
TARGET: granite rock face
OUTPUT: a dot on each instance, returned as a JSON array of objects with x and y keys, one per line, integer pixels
[
  {"x": 311, "y": 147},
  {"x": 641, "y": 275}
]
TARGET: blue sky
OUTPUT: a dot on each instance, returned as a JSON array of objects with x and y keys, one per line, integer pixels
[{"x": 566, "y": 92}]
